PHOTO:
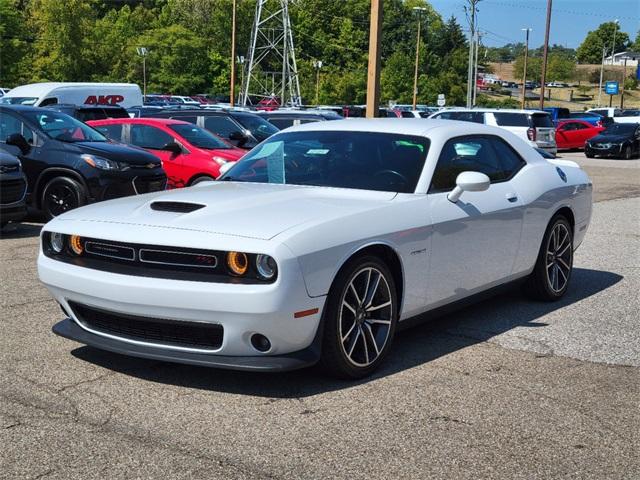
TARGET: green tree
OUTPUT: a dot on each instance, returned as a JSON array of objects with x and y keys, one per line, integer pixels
[
  {"x": 590, "y": 50},
  {"x": 534, "y": 68},
  {"x": 636, "y": 45},
  {"x": 62, "y": 30},
  {"x": 15, "y": 47},
  {"x": 177, "y": 61},
  {"x": 559, "y": 67}
]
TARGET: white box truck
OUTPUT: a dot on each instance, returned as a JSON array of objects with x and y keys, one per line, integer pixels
[{"x": 76, "y": 93}]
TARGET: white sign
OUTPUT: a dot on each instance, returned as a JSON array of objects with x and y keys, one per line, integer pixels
[
  {"x": 441, "y": 96},
  {"x": 441, "y": 102}
]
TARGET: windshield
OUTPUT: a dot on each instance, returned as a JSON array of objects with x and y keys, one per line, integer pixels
[
  {"x": 361, "y": 160},
  {"x": 259, "y": 128},
  {"x": 60, "y": 126},
  {"x": 18, "y": 100},
  {"x": 620, "y": 129},
  {"x": 198, "y": 137}
]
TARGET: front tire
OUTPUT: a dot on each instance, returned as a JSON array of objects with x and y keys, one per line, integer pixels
[
  {"x": 201, "y": 178},
  {"x": 550, "y": 277},
  {"x": 627, "y": 152},
  {"x": 60, "y": 195},
  {"x": 360, "y": 318}
]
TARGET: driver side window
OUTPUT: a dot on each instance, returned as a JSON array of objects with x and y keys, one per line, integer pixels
[
  {"x": 484, "y": 154},
  {"x": 10, "y": 125},
  {"x": 145, "y": 136}
]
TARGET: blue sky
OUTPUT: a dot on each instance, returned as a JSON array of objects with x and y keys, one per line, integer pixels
[{"x": 570, "y": 21}]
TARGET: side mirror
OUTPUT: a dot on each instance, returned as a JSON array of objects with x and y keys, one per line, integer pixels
[
  {"x": 469, "y": 182},
  {"x": 238, "y": 137},
  {"x": 19, "y": 141},
  {"x": 173, "y": 147}
]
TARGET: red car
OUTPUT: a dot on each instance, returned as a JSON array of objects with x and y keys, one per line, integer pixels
[
  {"x": 189, "y": 154},
  {"x": 574, "y": 133}
]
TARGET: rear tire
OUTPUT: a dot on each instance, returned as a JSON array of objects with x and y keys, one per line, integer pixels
[
  {"x": 550, "y": 277},
  {"x": 628, "y": 152},
  {"x": 589, "y": 155},
  {"x": 360, "y": 318},
  {"x": 60, "y": 195}
]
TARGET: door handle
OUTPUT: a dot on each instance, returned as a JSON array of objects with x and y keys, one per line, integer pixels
[{"x": 512, "y": 197}]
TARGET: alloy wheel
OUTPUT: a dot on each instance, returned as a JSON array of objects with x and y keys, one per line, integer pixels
[
  {"x": 365, "y": 316},
  {"x": 559, "y": 258}
]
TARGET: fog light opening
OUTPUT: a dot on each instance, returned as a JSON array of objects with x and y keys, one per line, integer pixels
[{"x": 260, "y": 342}]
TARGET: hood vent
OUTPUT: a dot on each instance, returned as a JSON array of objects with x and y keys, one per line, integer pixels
[{"x": 176, "y": 207}]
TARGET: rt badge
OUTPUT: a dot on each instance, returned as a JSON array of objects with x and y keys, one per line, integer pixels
[{"x": 562, "y": 175}]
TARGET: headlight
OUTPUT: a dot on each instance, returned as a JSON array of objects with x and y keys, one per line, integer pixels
[
  {"x": 101, "y": 163},
  {"x": 56, "y": 242},
  {"x": 237, "y": 262},
  {"x": 219, "y": 160},
  {"x": 266, "y": 266}
]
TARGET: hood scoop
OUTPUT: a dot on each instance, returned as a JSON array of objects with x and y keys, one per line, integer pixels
[{"x": 176, "y": 207}]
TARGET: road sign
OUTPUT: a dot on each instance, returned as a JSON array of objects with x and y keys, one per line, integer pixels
[
  {"x": 612, "y": 88},
  {"x": 441, "y": 100}
]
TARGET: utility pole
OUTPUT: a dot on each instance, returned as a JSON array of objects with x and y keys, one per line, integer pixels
[
  {"x": 604, "y": 50},
  {"x": 624, "y": 76},
  {"x": 472, "y": 30},
  {"x": 232, "y": 92},
  {"x": 524, "y": 75},
  {"x": 317, "y": 65},
  {"x": 415, "y": 75},
  {"x": 373, "y": 71},
  {"x": 544, "y": 55},
  {"x": 613, "y": 45}
]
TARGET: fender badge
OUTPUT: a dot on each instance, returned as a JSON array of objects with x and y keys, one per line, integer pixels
[{"x": 562, "y": 175}]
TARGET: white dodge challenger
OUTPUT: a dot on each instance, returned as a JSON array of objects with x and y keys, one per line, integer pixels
[{"x": 317, "y": 246}]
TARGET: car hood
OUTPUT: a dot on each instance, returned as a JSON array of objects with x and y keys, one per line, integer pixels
[
  {"x": 252, "y": 210},
  {"x": 118, "y": 152},
  {"x": 609, "y": 138}
]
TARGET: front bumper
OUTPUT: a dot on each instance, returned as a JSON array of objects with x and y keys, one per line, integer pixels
[
  {"x": 612, "y": 151},
  {"x": 111, "y": 185},
  {"x": 68, "y": 328},
  {"x": 241, "y": 309}
]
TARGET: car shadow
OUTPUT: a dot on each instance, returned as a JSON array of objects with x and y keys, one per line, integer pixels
[
  {"x": 412, "y": 347},
  {"x": 20, "y": 230}
]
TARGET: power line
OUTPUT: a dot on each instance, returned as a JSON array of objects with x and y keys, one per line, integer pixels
[{"x": 555, "y": 10}]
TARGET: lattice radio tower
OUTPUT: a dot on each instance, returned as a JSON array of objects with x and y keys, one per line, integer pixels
[{"x": 271, "y": 69}]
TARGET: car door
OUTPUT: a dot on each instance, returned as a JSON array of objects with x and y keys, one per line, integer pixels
[
  {"x": 566, "y": 135},
  {"x": 475, "y": 240},
  {"x": 582, "y": 133},
  {"x": 154, "y": 140},
  {"x": 33, "y": 163}
]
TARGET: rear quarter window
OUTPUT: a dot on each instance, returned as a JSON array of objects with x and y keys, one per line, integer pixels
[
  {"x": 541, "y": 120},
  {"x": 505, "y": 119}
]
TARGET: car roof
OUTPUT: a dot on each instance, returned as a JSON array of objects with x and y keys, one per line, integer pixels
[
  {"x": 140, "y": 120},
  {"x": 496, "y": 110},
  {"x": 39, "y": 89},
  {"x": 407, "y": 126},
  {"x": 26, "y": 108}
]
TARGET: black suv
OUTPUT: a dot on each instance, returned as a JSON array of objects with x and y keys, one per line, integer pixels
[
  {"x": 13, "y": 188},
  {"x": 243, "y": 129},
  {"x": 67, "y": 163},
  {"x": 90, "y": 112}
]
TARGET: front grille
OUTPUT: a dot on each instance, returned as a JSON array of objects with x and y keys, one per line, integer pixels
[
  {"x": 176, "y": 207},
  {"x": 151, "y": 183},
  {"x": 152, "y": 330},
  {"x": 12, "y": 191}
]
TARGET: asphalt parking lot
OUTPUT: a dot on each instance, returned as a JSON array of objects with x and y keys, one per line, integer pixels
[{"x": 504, "y": 389}]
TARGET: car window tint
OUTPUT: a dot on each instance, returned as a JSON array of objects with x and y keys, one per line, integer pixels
[
  {"x": 112, "y": 132},
  {"x": 220, "y": 125},
  {"x": 281, "y": 123},
  {"x": 406, "y": 114},
  {"x": 186, "y": 118},
  {"x": 510, "y": 161},
  {"x": 541, "y": 120},
  {"x": 475, "y": 117},
  {"x": 511, "y": 119},
  {"x": 579, "y": 126},
  {"x": 149, "y": 137},
  {"x": 9, "y": 125},
  {"x": 473, "y": 154}
]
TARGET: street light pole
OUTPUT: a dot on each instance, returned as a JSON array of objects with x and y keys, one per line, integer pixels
[
  {"x": 545, "y": 54},
  {"x": 475, "y": 70},
  {"x": 240, "y": 61},
  {"x": 604, "y": 50},
  {"x": 524, "y": 75},
  {"x": 143, "y": 52},
  {"x": 232, "y": 89},
  {"x": 317, "y": 65},
  {"x": 415, "y": 74}
]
